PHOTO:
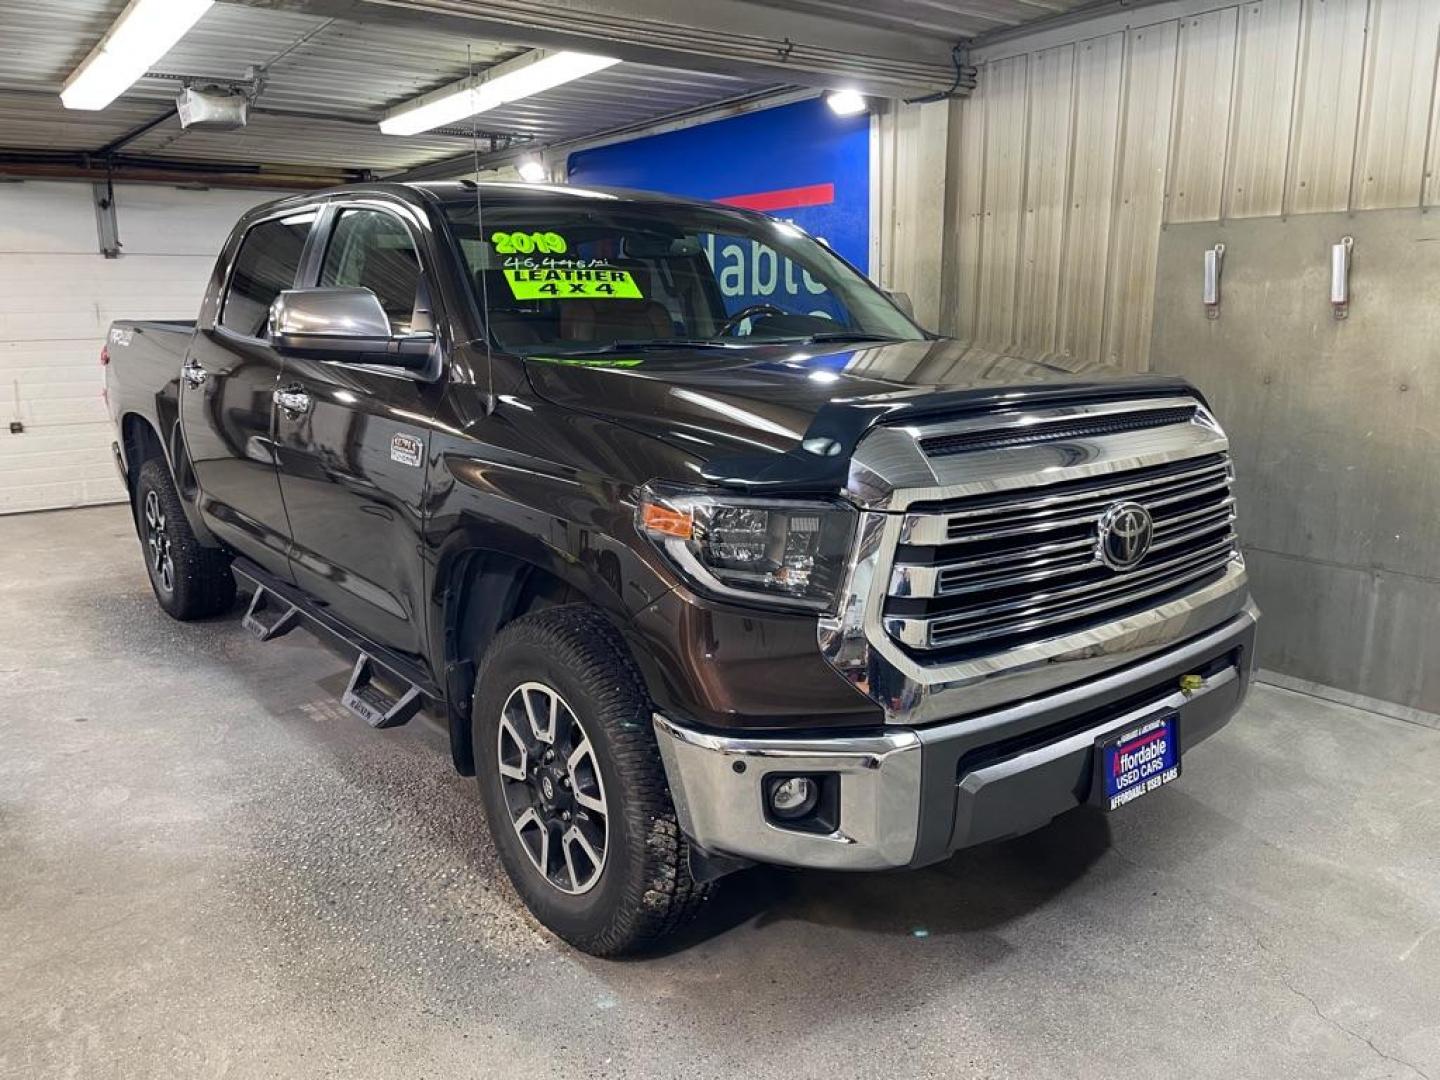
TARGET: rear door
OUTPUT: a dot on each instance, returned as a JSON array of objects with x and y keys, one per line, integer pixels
[
  {"x": 226, "y": 395},
  {"x": 352, "y": 443}
]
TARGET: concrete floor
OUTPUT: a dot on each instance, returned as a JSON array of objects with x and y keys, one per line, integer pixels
[{"x": 208, "y": 869}]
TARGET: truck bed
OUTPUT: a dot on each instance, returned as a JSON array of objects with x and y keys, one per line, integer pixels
[{"x": 143, "y": 373}]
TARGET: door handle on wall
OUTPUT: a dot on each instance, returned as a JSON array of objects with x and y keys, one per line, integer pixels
[
  {"x": 293, "y": 400},
  {"x": 193, "y": 373}
]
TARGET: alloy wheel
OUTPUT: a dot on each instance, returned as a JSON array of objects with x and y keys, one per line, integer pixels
[
  {"x": 158, "y": 540},
  {"x": 551, "y": 782}
]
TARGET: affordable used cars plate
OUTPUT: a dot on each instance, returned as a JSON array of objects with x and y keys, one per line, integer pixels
[{"x": 1139, "y": 759}]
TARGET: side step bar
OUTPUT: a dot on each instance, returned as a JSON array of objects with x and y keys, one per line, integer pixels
[
  {"x": 367, "y": 700},
  {"x": 386, "y": 689},
  {"x": 260, "y": 619}
]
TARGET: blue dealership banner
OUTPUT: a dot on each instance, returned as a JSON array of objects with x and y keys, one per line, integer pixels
[{"x": 799, "y": 162}]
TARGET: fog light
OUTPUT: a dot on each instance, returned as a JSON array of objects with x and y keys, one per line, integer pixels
[{"x": 794, "y": 797}]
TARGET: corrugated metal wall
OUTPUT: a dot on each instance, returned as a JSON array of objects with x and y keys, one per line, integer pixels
[
  {"x": 1083, "y": 142},
  {"x": 908, "y": 187}
]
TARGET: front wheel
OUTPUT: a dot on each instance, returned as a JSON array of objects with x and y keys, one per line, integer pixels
[
  {"x": 190, "y": 580},
  {"x": 574, "y": 791}
]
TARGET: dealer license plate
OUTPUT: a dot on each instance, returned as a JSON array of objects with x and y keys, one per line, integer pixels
[{"x": 1139, "y": 759}]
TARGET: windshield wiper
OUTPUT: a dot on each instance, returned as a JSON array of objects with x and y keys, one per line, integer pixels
[
  {"x": 849, "y": 335},
  {"x": 637, "y": 345}
]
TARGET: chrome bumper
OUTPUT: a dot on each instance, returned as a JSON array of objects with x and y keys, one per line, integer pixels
[
  {"x": 909, "y": 796},
  {"x": 716, "y": 782}
]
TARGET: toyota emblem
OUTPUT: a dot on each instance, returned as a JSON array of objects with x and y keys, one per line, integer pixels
[{"x": 1123, "y": 535}]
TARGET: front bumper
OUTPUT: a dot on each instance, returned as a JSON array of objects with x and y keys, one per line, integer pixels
[{"x": 911, "y": 796}]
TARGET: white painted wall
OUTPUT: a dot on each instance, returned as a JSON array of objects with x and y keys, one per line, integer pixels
[{"x": 58, "y": 296}]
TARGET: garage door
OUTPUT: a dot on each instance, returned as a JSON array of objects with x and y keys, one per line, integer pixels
[{"x": 57, "y": 296}]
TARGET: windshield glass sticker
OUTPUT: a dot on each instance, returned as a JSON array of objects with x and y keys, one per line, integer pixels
[
  {"x": 537, "y": 267},
  {"x": 406, "y": 449},
  {"x": 525, "y": 243},
  {"x": 561, "y": 283}
]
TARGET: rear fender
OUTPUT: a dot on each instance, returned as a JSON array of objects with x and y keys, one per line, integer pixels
[{"x": 140, "y": 441}]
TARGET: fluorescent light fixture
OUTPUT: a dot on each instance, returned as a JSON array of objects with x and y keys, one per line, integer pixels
[
  {"x": 532, "y": 73},
  {"x": 845, "y": 102},
  {"x": 145, "y": 31},
  {"x": 532, "y": 170}
]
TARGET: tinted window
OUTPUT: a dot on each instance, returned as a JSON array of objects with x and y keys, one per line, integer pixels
[
  {"x": 266, "y": 266},
  {"x": 373, "y": 250},
  {"x": 562, "y": 276}
]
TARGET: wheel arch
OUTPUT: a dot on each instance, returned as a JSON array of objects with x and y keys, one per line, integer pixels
[
  {"x": 139, "y": 442},
  {"x": 483, "y": 591},
  {"x": 480, "y": 588}
]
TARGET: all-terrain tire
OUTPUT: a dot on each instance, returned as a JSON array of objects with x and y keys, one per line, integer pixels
[
  {"x": 191, "y": 581},
  {"x": 644, "y": 891}
]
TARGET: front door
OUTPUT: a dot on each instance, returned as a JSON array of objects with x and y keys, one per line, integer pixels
[
  {"x": 226, "y": 388},
  {"x": 351, "y": 443}
]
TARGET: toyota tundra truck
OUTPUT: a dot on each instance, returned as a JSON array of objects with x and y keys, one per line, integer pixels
[{"x": 706, "y": 554}]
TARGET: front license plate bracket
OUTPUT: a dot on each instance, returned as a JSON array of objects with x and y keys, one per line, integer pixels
[{"x": 1136, "y": 760}]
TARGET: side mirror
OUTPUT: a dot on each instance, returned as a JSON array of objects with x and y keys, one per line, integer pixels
[
  {"x": 343, "y": 324},
  {"x": 902, "y": 301}
]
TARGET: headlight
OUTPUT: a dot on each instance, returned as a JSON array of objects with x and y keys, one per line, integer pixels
[{"x": 771, "y": 551}]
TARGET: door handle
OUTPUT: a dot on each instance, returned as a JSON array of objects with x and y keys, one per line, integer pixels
[
  {"x": 293, "y": 400},
  {"x": 193, "y": 373}
]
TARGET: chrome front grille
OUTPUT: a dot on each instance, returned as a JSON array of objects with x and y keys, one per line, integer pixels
[
  {"x": 994, "y": 571},
  {"x": 976, "y": 581}
]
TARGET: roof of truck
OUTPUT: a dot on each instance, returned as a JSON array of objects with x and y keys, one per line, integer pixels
[{"x": 492, "y": 191}]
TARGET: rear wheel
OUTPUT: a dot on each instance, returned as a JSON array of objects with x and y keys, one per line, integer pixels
[
  {"x": 190, "y": 580},
  {"x": 574, "y": 790}
]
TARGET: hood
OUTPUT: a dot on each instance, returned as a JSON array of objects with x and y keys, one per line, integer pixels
[{"x": 789, "y": 417}]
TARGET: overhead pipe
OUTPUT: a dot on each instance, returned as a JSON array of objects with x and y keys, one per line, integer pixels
[{"x": 14, "y": 167}]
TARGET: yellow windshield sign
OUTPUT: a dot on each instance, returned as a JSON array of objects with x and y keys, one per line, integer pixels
[{"x": 560, "y": 283}]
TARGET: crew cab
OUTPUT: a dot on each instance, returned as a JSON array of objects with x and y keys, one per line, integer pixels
[{"x": 705, "y": 553}]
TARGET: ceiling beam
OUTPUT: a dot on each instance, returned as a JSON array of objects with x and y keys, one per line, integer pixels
[
  {"x": 744, "y": 38},
  {"x": 39, "y": 165}
]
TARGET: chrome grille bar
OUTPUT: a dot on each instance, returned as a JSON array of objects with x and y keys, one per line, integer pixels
[
  {"x": 1016, "y": 564},
  {"x": 951, "y": 584},
  {"x": 1132, "y": 489},
  {"x": 943, "y": 632},
  {"x": 1070, "y": 551},
  {"x": 1037, "y": 515}
]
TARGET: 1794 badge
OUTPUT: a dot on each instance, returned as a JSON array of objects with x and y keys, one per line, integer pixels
[{"x": 406, "y": 449}]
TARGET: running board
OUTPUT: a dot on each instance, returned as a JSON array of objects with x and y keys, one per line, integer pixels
[
  {"x": 261, "y": 618},
  {"x": 368, "y": 700},
  {"x": 386, "y": 689}
]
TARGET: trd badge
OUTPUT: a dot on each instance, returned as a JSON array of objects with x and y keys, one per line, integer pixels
[{"x": 406, "y": 449}]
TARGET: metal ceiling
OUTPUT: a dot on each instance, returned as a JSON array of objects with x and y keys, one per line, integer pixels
[
  {"x": 323, "y": 84},
  {"x": 323, "y": 72},
  {"x": 946, "y": 18}
]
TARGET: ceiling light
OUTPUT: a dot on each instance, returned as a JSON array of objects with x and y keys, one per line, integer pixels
[
  {"x": 845, "y": 102},
  {"x": 144, "y": 32},
  {"x": 532, "y": 73},
  {"x": 532, "y": 170}
]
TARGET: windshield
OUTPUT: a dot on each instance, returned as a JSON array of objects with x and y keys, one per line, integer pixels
[{"x": 562, "y": 278}]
